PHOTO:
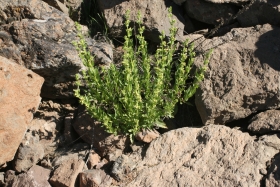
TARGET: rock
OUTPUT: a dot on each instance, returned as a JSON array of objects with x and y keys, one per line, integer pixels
[
  {"x": 9, "y": 176},
  {"x": 214, "y": 155},
  {"x": 75, "y": 7},
  {"x": 272, "y": 178},
  {"x": 94, "y": 178},
  {"x": 154, "y": 14},
  {"x": 123, "y": 167},
  {"x": 228, "y": 1},
  {"x": 58, "y": 5},
  {"x": 44, "y": 36},
  {"x": 19, "y": 99},
  {"x": 243, "y": 75},
  {"x": 2, "y": 180},
  {"x": 147, "y": 135},
  {"x": 208, "y": 12},
  {"x": 29, "y": 153},
  {"x": 265, "y": 122},
  {"x": 261, "y": 12},
  {"x": 92, "y": 132},
  {"x": 68, "y": 166},
  {"x": 36, "y": 176},
  {"x": 93, "y": 159}
]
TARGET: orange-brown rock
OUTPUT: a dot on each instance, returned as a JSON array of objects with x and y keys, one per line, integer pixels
[{"x": 19, "y": 99}]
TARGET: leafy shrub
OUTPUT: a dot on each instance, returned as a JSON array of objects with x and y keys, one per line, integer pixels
[{"x": 142, "y": 92}]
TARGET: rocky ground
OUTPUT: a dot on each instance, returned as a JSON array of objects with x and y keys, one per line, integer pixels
[{"x": 229, "y": 137}]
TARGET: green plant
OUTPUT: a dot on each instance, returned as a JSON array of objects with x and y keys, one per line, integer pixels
[{"x": 142, "y": 92}]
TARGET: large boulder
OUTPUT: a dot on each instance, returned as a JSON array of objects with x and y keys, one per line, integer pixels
[
  {"x": 243, "y": 75},
  {"x": 214, "y": 155},
  {"x": 19, "y": 99},
  {"x": 43, "y": 36},
  {"x": 154, "y": 15}
]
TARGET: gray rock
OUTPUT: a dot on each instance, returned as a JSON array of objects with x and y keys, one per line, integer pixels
[
  {"x": 123, "y": 167},
  {"x": 261, "y": 12},
  {"x": 44, "y": 36},
  {"x": 243, "y": 75},
  {"x": 214, "y": 155},
  {"x": 154, "y": 14},
  {"x": 265, "y": 122},
  {"x": 208, "y": 12},
  {"x": 94, "y": 177},
  {"x": 29, "y": 153}
]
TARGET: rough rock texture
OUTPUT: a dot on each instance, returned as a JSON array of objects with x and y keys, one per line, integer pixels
[
  {"x": 214, "y": 155},
  {"x": 68, "y": 165},
  {"x": 261, "y": 12},
  {"x": 265, "y": 122},
  {"x": 147, "y": 135},
  {"x": 154, "y": 14},
  {"x": 94, "y": 178},
  {"x": 243, "y": 75},
  {"x": 19, "y": 99},
  {"x": 273, "y": 178},
  {"x": 208, "y": 12},
  {"x": 36, "y": 176},
  {"x": 58, "y": 5},
  {"x": 44, "y": 37},
  {"x": 29, "y": 153},
  {"x": 93, "y": 133}
]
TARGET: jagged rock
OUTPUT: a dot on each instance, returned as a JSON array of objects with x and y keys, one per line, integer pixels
[
  {"x": 214, "y": 155},
  {"x": 93, "y": 159},
  {"x": 208, "y": 12},
  {"x": 29, "y": 153},
  {"x": 68, "y": 165},
  {"x": 265, "y": 122},
  {"x": 44, "y": 36},
  {"x": 19, "y": 99},
  {"x": 261, "y": 12},
  {"x": 243, "y": 75},
  {"x": 154, "y": 14},
  {"x": 123, "y": 167},
  {"x": 94, "y": 178},
  {"x": 92, "y": 132},
  {"x": 2, "y": 181},
  {"x": 75, "y": 7}
]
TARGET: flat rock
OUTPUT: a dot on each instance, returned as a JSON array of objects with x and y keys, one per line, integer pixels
[
  {"x": 265, "y": 122},
  {"x": 243, "y": 74},
  {"x": 154, "y": 14},
  {"x": 214, "y": 155},
  {"x": 19, "y": 99}
]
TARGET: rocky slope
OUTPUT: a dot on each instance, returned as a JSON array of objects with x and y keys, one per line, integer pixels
[{"x": 229, "y": 138}]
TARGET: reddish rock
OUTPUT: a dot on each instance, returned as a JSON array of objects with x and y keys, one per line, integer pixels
[
  {"x": 19, "y": 99},
  {"x": 93, "y": 159},
  {"x": 147, "y": 135},
  {"x": 94, "y": 178},
  {"x": 92, "y": 132}
]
